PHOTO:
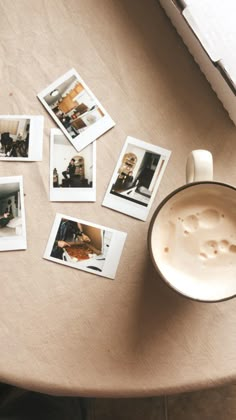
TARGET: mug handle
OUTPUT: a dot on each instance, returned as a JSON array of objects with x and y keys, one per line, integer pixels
[{"x": 199, "y": 166}]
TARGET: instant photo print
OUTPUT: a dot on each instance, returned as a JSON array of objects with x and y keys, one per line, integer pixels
[
  {"x": 72, "y": 173},
  {"x": 12, "y": 214},
  {"x": 76, "y": 110},
  {"x": 21, "y": 137},
  {"x": 136, "y": 178},
  {"x": 86, "y": 246}
]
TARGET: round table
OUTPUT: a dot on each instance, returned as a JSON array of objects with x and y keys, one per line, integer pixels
[{"x": 68, "y": 332}]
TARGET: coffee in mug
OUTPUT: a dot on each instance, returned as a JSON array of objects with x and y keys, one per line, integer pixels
[{"x": 192, "y": 235}]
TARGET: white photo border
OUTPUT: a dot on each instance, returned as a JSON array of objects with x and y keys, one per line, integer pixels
[
  {"x": 123, "y": 205},
  {"x": 91, "y": 133},
  {"x": 71, "y": 194},
  {"x": 15, "y": 242},
  {"x": 113, "y": 255}
]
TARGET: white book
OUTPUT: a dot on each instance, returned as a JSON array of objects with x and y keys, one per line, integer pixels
[{"x": 208, "y": 29}]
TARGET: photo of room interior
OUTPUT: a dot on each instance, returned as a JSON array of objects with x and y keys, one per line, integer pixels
[
  {"x": 80, "y": 173},
  {"x": 74, "y": 106},
  {"x": 137, "y": 175},
  {"x": 88, "y": 250},
  {"x": 10, "y": 210},
  {"x": 14, "y": 137}
]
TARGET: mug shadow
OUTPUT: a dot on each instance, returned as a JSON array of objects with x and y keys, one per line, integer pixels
[
  {"x": 156, "y": 306},
  {"x": 161, "y": 315}
]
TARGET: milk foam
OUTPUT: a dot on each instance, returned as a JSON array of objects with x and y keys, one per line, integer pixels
[{"x": 194, "y": 241}]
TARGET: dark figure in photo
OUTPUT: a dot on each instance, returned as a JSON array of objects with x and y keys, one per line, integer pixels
[
  {"x": 55, "y": 178},
  {"x": 125, "y": 176},
  {"x": 65, "y": 119},
  {"x": 19, "y": 147},
  {"x": 5, "y": 219},
  {"x": 68, "y": 233},
  {"x": 70, "y": 171},
  {"x": 9, "y": 208},
  {"x": 6, "y": 141},
  {"x": 123, "y": 182}
]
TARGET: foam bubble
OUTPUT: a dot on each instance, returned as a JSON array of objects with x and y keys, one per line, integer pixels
[
  {"x": 209, "y": 218},
  {"x": 190, "y": 223},
  {"x": 232, "y": 248},
  {"x": 224, "y": 245},
  {"x": 210, "y": 248}
]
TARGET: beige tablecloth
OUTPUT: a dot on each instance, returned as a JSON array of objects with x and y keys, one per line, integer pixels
[{"x": 65, "y": 331}]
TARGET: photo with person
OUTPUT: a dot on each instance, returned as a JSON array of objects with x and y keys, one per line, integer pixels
[
  {"x": 21, "y": 137},
  {"x": 75, "y": 109},
  {"x": 12, "y": 214},
  {"x": 86, "y": 246},
  {"x": 136, "y": 178},
  {"x": 72, "y": 173}
]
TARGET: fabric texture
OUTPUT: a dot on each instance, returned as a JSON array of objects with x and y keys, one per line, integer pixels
[{"x": 68, "y": 332}]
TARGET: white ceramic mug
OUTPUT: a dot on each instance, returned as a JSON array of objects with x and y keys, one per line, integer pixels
[{"x": 192, "y": 234}]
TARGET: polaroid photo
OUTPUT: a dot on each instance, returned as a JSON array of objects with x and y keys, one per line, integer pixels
[
  {"x": 12, "y": 214},
  {"x": 21, "y": 137},
  {"x": 136, "y": 178},
  {"x": 72, "y": 173},
  {"x": 76, "y": 110},
  {"x": 86, "y": 246}
]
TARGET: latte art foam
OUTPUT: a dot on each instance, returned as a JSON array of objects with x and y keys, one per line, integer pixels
[{"x": 194, "y": 241}]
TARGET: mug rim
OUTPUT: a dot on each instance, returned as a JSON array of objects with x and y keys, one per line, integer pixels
[{"x": 154, "y": 216}]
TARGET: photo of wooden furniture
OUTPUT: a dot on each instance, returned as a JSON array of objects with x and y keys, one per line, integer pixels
[{"x": 68, "y": 103}]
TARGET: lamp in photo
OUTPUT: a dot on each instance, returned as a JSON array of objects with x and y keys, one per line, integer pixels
[{"x": 54, "y": 92}]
